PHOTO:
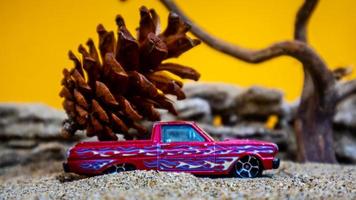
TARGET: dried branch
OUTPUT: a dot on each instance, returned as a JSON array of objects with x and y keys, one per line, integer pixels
[
  {"x": 296, "y": 49},
  {"x": 313, "y": 124},
  {"x": 302, "y": 19}
]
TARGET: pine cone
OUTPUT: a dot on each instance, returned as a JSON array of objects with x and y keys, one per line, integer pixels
[{"x": 112, "y": 91}]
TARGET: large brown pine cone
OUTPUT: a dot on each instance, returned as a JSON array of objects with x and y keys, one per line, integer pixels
[{"x": 112, "y": 91}]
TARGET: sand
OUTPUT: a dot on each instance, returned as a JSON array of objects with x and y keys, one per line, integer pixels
[{"x": 290, "y": 181}]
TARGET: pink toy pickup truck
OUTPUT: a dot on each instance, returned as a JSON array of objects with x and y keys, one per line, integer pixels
[{"x": 176, "y": 147}]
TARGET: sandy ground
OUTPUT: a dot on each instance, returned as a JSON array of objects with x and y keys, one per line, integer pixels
[{"x": 290, "y": 181}]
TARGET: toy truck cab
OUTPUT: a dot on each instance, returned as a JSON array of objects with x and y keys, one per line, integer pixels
[{"x": 177, "y": 146}]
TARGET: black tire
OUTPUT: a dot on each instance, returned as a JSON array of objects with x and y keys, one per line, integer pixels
[
  {"x": 248, "y": 167},
  {"x": 115, "y": 169}
]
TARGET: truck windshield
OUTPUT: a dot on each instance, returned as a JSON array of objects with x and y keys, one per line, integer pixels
[{"x": 180, "y": 133}]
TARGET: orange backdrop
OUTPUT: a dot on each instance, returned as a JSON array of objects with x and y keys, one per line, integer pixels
[{"x": 36, "y": 35}]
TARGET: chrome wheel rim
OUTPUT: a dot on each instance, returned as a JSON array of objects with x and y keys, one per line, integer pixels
[{"x": 247, "y": 167}]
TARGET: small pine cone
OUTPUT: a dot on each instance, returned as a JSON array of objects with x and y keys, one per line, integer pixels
[{"x": 111, "y": 90}]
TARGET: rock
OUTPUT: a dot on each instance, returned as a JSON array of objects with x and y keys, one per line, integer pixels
[
  {"x": 289, "y": 110},
  {"x": 31, "y": 133},
  {"x": 345, "y": 129},
  {"x": 10, "y": 157},
  {"x": 22, "y": 144},
  {"x": 345, "y": 146},
  {"x": 259, "y": 102},
  {"x": 194, "y": 109},
  {"x": 237, "y": 131},
  {"x": 220, "y": 96},
  {"x": 30, "y": 121},
  {"x": 69, "y": 177},
  {"x": 245, "y": 131},
  {"x": 346, "y": 113},
  {"x": 48, "y": 151},
  {"x": 43, "y": 152},
  {"x": 13, "y": 112},
  {"x": 30, "y": 130}
]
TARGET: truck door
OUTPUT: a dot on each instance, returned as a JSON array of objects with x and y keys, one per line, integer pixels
[{"x": 183, "y": 148}]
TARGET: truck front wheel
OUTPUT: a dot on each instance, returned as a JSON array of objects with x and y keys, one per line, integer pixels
[
  {"x": 119, "y": 168},
  {"x": 248, "y": 167}
]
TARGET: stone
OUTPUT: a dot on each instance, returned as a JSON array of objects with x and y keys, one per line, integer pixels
[
  {"x": 289, "y": 110},
  {"x": 22, "y": 144},
  {"x": 346, "y": 113},
  {"x": 48, "y": 151},
  {"x": 345, "y": 129},
  {"x": 69, "y": 177},
  {"x": 194, "y": 109},
  {"x": 244, "y": 131},
  {"x": 345, "y": 146},
  {"x": 43, "y": 152},
  {"x": 220, "y": 96},
  {"x": 9, "y": 157},
  {"x": 31, "y": 121},
  {"x": 13, "y": 112},
  {"x": 31, "y": 133},
  {"x": 259, "y": 102}
]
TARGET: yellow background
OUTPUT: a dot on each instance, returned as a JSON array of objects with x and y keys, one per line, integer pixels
[{"x": 36, "y": 35}]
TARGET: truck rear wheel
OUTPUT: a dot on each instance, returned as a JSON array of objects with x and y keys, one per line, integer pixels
[
  {"x": 248, "y": 167},
  {"x": 119, "y": 168}
]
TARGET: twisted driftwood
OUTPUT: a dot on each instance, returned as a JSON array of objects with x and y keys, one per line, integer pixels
[{"x": 321, "y": 92}]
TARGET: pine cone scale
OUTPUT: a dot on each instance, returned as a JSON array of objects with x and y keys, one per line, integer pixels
[
  {"x": 119, "y": 123},
  {"x": 147, "y": 25},
  {"x": 128, "y": 109},
  {"x": 180, "y": 70}
]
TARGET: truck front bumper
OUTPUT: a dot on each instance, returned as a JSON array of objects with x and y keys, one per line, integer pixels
[{"x": 275, "y": 163}]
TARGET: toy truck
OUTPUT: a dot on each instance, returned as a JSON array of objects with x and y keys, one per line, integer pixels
[{"x": 177, "y": 146}]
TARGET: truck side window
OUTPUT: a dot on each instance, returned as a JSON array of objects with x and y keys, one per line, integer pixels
[{"x": 180, "y": 133}]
